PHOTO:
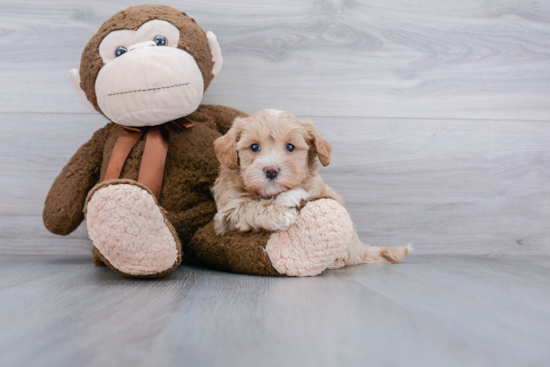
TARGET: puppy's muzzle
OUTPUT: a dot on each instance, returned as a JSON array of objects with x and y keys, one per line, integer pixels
[{"x": 271, "y": 172}]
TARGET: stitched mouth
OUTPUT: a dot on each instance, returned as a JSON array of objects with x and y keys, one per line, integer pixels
[{"x": 148, "y": 89}]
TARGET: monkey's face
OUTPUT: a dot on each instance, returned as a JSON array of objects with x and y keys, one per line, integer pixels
[
  {"x": 147, "y": 76},
  {"x": 147, "y": 79}
]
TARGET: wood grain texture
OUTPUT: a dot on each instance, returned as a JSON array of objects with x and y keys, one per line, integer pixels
[
  {"x": 427, "y": 311},
  {"x": 382, "y": 58},
  {"x": 446, "y": 186},
  {"x": 464, "y": 169},
  {"x": 438, "y": 114},
  {"x": 33, "y": 150}
]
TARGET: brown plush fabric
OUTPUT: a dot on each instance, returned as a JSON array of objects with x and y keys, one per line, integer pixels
[
  {"x": 238, "y": 252},
  {"x": 97, "y": 257},
  {"x": 191, "y": 166},
  {"x": 65, "y": 201},
  {"x": 194, "y": 41},
  {"x": 190, "y": 170}
]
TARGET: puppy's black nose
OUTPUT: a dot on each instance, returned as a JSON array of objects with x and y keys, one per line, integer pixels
[{"x": 271, "y": 172}]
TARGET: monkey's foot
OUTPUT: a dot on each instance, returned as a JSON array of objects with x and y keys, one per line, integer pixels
[
  {"x": 322, "y": 233},
  {"x": 129, "y": 230}
]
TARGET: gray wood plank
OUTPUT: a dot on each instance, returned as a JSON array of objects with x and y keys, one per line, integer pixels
[
  {"x": 446, "y": 186},
  {"x": 471, "y": 186},
  {"x": 15, "y": 271},
  {"x": 388, "y": 58},
  {"x": 429, "y": 311},
  {"x": 33, "y": 154}
]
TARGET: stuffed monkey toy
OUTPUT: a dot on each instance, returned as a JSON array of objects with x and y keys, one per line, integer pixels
[{"x": 143, "y": 181}]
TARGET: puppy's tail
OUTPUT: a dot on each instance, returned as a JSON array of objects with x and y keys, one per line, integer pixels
[
  {"x": 384, "y": 255},
  {"x": 359, "y": 252}
]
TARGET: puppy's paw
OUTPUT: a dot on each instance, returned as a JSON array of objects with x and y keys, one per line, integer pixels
[
  {"x": 292, "y": 198},
  {"x": 281, "y": 219}
]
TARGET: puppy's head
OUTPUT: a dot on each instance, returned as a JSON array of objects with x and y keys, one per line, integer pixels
[{"x": 274, "y": 150}]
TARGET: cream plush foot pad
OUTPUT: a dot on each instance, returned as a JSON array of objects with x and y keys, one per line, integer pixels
[
  {"x": 128, "y": 228},
  {"x": 321, "y": 233}
]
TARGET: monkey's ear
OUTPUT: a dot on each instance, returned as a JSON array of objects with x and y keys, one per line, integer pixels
[
  {"x": 226, "y": 148},
  {"x": 216, "y": 52},
  {"x": 75, "y": 78}
]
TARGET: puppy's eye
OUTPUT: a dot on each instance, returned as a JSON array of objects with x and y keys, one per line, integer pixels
[
  {"x": 160, "y": 40},
  {"x": 119, "y": 51},
  {"x": 290, "y": 147},
  {"x": 255, "y": 148}
]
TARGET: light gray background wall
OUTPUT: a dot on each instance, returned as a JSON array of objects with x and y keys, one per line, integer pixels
[{"x": 438, "y": 111}]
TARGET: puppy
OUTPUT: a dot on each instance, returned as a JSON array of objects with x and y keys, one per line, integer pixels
[{"x": 269, "y": 164}]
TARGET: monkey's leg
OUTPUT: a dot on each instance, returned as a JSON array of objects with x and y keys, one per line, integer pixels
[
  {"x": 321, "y": 234},
  {"x": 129, "y": 231},
  {"x": 97, "y": 257}
]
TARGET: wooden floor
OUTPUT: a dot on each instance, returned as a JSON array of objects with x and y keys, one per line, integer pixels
[
  {"x": 428, "y": 311},
  {"x": 439, "y": 116}
]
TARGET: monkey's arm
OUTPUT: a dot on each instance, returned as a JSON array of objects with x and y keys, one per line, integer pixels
[
  {"x": 65, "y": 201},
  {"x": 223, "y": 116},
  {"x": 240, "y": 252},
  {"x": 302, "y": 250}
]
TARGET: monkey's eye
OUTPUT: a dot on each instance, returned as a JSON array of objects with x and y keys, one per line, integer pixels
[
  {"x": 119, "y": 51},
  {"x": 255, "y": 148},
  {"x": 160, "y": 40},
  {"x": 290, "y": 147}
]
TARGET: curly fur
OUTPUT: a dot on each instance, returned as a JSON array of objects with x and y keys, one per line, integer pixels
[{"x": 249, "y": 200}]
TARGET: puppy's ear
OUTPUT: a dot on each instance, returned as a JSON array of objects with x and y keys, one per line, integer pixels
[
  {"x": 322, "y": 147},
  {"x": 226, "y": 149}
]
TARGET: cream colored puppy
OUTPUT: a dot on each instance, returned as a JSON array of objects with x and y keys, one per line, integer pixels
[{"x": 269, "y": 164}]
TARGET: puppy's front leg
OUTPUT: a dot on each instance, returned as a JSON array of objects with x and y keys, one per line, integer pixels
[
  {"x": 246, "y": 214},
  {"x": 292, "y": 198},
  {"x": 281, "y": 213}
]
